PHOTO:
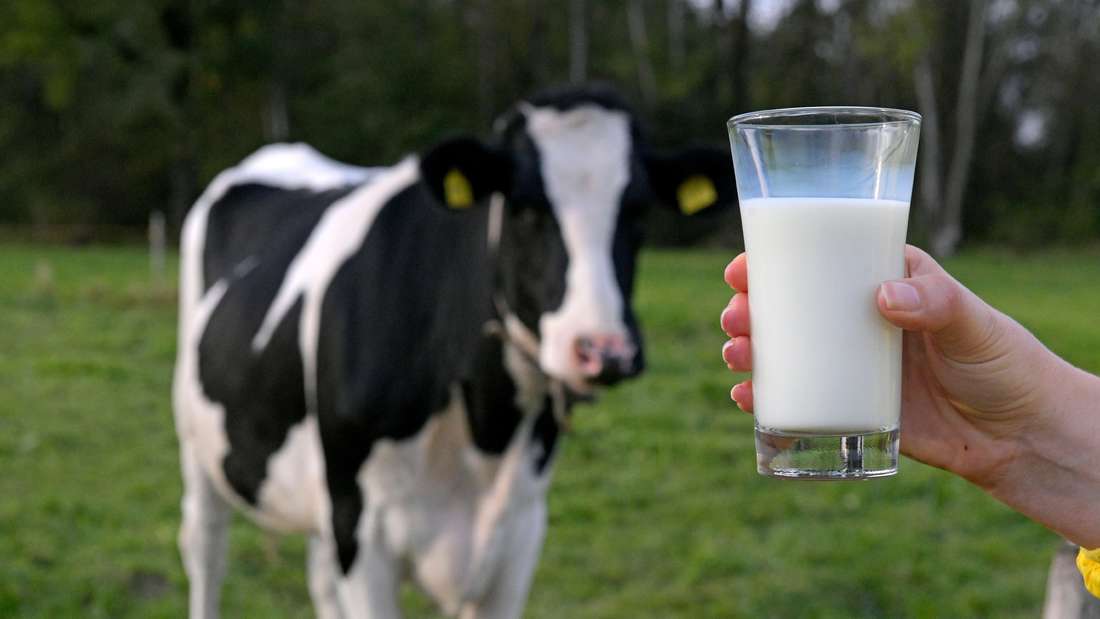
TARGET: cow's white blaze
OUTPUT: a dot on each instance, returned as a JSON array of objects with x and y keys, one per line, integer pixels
[{"x": 585, "y": 159}]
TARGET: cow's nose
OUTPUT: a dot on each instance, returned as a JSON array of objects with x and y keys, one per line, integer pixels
[{"x": 604, "y": 359}]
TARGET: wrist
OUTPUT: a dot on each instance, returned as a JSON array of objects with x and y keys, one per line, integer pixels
[{"x": 1054, "y": 476}]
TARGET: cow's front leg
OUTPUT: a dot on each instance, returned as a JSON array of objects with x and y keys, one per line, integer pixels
[
  {"x": 369, "y": 589},
  {"x": 323, "y": 572},
  {"x": 202, "y": 537},
  {"x": 507, "y": 593}
]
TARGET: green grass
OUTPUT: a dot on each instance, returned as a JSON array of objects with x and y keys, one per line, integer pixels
[{"x": 656, "y": 509}]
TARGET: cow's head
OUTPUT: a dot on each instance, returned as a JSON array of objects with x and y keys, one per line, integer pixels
[{"x": 575, "y": 180}]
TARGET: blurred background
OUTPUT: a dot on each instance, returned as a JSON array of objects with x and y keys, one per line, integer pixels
[{"x": 111, "y": 111}]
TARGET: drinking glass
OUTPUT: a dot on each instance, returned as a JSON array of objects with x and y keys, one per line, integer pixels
[{"x": 824, "y": 195}]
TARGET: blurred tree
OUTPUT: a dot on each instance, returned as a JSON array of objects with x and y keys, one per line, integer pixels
[
  {"x": 942, "y": 190},
  {"x": 578, "y": 41},
  {"x": 674, "y": 10},
  {"x": 111, "y": 109},
  {"x": 639, "y": 43}
]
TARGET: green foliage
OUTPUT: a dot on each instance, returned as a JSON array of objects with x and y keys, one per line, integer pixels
[
  {"x": 110, "y": 109},
  {"x": 655, "y": 511}
]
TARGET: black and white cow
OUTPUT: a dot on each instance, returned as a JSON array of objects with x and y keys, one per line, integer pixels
[{"x": 383, "y": 358}]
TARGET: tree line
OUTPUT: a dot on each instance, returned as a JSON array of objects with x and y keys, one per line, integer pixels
[{"x": 110, "y": 110}]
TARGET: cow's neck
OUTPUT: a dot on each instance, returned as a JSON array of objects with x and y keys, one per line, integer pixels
[{"x": 508, "y": 395}]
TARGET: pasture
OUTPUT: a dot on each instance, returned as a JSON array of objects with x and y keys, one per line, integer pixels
[{"x": 656, "y": 509}]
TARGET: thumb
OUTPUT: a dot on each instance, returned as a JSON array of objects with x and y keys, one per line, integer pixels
[{"x": 961, "y": 325}]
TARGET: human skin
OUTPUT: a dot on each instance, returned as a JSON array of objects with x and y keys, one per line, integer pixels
[{"x": 981, "y": 396}]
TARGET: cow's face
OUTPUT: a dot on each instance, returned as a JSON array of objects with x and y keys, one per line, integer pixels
[{"x": 576, "y": 185}]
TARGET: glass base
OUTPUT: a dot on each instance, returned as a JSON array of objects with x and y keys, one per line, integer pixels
[{"x": 801, "y": 455}]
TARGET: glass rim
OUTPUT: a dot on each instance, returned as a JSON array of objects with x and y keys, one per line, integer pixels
[{"x": 892, "y": 116}]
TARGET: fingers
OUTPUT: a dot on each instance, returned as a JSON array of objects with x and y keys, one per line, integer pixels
[
  {"x": 742, "y": 394},
  {"x": 918, "y": 262},
  {"x": 737, "y": 353},
  {"x": 737, "y": 273},
  {"x": 932, "y": 301},
  {"x": 735, "y": 318}
]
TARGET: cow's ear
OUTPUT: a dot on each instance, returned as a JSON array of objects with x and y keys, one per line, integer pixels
[
  {"x": 460, "y": 172},
  {"x": 693, "y": 180}
]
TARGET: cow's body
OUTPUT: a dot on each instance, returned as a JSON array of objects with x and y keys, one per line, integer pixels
[{"x": 356, "y": 364}]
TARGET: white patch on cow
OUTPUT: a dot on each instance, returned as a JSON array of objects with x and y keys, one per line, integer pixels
[
  {"x": 294, "y": 487},
  {"x": 585, "y": 156},
  {"x": 337, "y": 236},
  {"x": 200, "y": 422},
  {"x": 453, "y": 511}
]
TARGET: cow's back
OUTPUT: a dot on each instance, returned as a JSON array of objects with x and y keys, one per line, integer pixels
[{"x": 254, "y": 223}]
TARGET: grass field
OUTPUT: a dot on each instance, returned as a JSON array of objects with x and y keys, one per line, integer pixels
[{"x": 656, "y": 510}]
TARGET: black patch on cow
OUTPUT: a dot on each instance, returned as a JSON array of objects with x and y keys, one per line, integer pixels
[
  {"x": 491, "y": 409},
  {"x": 400, "y": 320},
  {"x": 490, "y": 397},
  {"x": 533, "y": 261},
  {"x": 273, "y": 401},
  {"x": 262, "y": 393},
  {"x": 545, "y": 433},
  {"x": 251, "y": 220},
  {"x": 624, "y": 257}
]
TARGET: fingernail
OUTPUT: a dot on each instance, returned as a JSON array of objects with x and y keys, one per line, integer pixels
[
  {"x": 725, "y": 351},
  {"x": 722, "y": 319},
  {"x": 738, "y": 393},
  {"x": 900, "y": 296}
]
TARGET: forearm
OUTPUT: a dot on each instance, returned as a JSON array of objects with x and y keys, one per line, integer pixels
[{"x": 1055, "y": 478}]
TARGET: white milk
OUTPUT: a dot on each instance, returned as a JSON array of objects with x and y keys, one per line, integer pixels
[{"x": 824, "y": 360}]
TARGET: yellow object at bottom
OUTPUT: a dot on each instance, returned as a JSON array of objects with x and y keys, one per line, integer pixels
[{"x": 1088, "y": 562}]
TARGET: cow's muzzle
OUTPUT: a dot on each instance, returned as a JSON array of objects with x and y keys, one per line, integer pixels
[{"x": 604, "y": 359}]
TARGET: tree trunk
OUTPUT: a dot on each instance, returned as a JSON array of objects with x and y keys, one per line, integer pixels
[
  {"x": 540, "y": 74},
  {"x": 942, "y": 191},
  {"x": 277, "y": 125},
  {"x": 931, "y": 192},
  {"x": 639, "y": 42},
  {"x": 722, "y": 52},
  {"x": 479, "y": 17},
  {"x": 742, "y": 101},
  {"x": 676, "y": 51},
  {"x": 276, "y": 116},
  {"x": 578, "y": 41},
  {"x": 486, "y": 61},
  {"x": 177, "y": 23},
  {"x": 945, "y": 239}
]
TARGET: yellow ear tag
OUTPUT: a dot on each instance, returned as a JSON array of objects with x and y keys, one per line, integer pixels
[
  {"x": 456, "y": 190},
  {"x": 695, "y": 194}
]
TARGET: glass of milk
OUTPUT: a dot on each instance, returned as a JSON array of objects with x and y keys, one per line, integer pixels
[{"x": 824, "y": 196}]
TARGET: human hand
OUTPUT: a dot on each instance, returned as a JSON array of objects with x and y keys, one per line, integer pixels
[{"x": 973, "y": 378}]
